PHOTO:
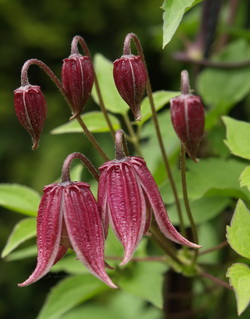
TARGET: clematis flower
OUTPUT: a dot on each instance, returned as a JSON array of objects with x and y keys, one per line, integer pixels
[
  {"x": 68, "y": 217},
  {"x": 128, "y": 195}
]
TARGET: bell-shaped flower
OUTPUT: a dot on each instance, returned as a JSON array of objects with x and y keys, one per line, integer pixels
[
  {"x": 31, "y": 110},
  {"x": 68, "y": 217},
  {"x": 127, "y": 195}
]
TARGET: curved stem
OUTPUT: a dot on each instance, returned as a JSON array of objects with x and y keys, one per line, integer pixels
[
  {"x": 121, "y": 148},
  {"x": 185, "y": 87},
  {"x": 215, "y": 280},
  {"x": 74, "y": 50},
  {"x": 217, "y": 247},
  {"x": 185, "y": 197},
  {"x": 129, "y": 37},
  {"x": 66, "y": 166},
  {"x": 57, "y": 82}
]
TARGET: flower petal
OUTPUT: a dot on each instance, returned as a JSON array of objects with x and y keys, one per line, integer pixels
[
  {"x": 102, "y": 201},
  {"x": 49, "y": 227},
  {"x": 154, "y": 197},
  {"x": 85, "y": 229},
  {"x": 127, "y": 207}
]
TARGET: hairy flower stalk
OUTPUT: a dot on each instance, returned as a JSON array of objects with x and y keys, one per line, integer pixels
[
  {"x": 128, "y": 195},
  {"x": 68, "y": 217},
  {"x": 187, "y": 114}
]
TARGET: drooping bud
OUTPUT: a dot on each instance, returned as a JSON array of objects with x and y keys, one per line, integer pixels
[
  {"x": 187, "y": 114},
  {"x": 130, "y": 76},
  {"x": 77, "y": 80},
  {"x": 31, "y": 110}
]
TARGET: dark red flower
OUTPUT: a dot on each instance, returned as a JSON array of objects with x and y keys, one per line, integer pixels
[
  {"x": 68, "y": 217},
  {"x": 77, "y": 80},
  {"x": 130, "y": 76},
  {"x": 31, "y": 110},
  {"x": 127, "y": 195},
  {"x": 188, "y": 118}
]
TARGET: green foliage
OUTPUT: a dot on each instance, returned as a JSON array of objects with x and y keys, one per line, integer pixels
[
  {"x": 95, "y": 122},
  {"x": 238, "y": 136},
  {"x": 23, "y": 231},
  {"x": 221, "y": 89},
  {"x": 239, "y": 275},
  {"x": 238, "y": 234},
  {"x": 19, "y": 198},
  {"x": 245, "y": 178},
  {"x": 172, "y": 16},
  {"x": 69, "y": 293}
]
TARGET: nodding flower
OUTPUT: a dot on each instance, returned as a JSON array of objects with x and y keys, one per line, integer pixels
[
  {"x": 68, "y": 217},
  {"x": 31, "y": 110},
  {"x": 128, "y": 196}
]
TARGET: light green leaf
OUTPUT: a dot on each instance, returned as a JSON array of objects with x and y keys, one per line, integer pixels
[
  {"x": 245, "y": 178},
  {"x": 211, "y": 82},
  {"x": 19, "y": 198},
  {"x": 19, "y": 254},
  {"x": 210, "y": 177},
  {"x": 145, "y": 280},
  {"x": 239, "y": 276},
  {"x": 172, "y": 16},
  {"x": 161, "y": 98},
  {"x": 95, "y": 122},
  {"x": 23, "y": 231},
  {"x": 238, "y": 137},
  {"x": 70, "y": 265},
  {"x": 120, "y": 305},
  {"x": 112, "y": 99},
  {"x": 203, "y": 209},
  {"x": 238, "y": 233},
  {"x": 69, "y": 293}
]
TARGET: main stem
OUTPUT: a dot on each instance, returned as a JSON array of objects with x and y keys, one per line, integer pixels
[
  {"x": 57, "y": 82},
  {"x": 127, "y": 50},
  {"x": 185, "y": 197}
]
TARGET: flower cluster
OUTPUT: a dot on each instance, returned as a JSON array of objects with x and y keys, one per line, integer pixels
[{"x": 128, "y": 198}]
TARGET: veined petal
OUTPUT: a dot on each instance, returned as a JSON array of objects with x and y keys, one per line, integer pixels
[
  {"x": 127, "y": 207},
  {"x": 49, "y": 227},
  {"x": 102, "y": 201},
  {"x": 154, "y": 197},
  {"x": 85, "y": 229}
]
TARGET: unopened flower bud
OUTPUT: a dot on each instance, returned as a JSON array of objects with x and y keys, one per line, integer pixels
[
  {"x": 187, "y": 114},
  {"x": 77, "y": 80},
  {"x": 130, "y": 78},
  {"x": 31, "y": 110}
]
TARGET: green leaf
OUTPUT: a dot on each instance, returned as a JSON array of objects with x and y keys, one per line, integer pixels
[
  {"x": 238, "y": 137},
  {"x": 19, "y": 254},
  {"x": 145, "y": 280},
  {"x": 120, "y": 305},
  {"x": 112, "y": 99},
  {"x": 211, "y": 81},
  {"x": 95, "y": 122},
  {"x": 245, "y": 178},
  {"x": 70, "y": 265},
  {"x": 69, "y": 293},
  {"x": 239, "y": 276},
  {"x": 23, "y": 231},
  {"x": 238, "y": 233},
  {"x": 209, "y": 177},
  {"x": 203, "y": 209},
  {"x": 19, "y": 198},
  {"x": 172, "y": 16},
  {"x": 161, "y": 98}
]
